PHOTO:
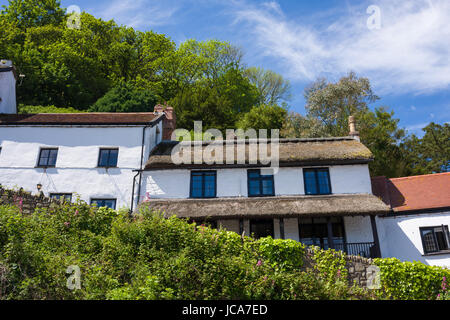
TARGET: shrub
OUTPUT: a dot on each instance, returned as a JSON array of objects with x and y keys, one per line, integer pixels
[
  {"x": 411, "y": 280},
  {"x": 152, "y": 257}
]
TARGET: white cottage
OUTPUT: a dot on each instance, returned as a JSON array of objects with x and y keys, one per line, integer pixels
[
  {"x": 320, "y": 194},
  {"x": 90, "y": 155},
  {"x": 417, "y": 228}
]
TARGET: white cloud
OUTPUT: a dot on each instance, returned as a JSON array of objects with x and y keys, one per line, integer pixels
[
  {"x": 410, "y": 53},
  {"x": 140, "y": 13}
]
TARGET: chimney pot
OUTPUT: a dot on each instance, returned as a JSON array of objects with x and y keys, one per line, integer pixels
[
  {"x": 169, "y": 121},
  {"x": 352, "y": 124}
]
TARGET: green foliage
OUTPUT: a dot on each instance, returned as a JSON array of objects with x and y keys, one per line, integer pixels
[
  {"x": 431, "y": 153},
  {"x": 45, "y": 109},
  {"x": 271, "y": 86},
  {"x": 148, "y": 257},
  {"x": 283, "y": 254},
  {"x": 330, "y": 263},
  {"x": 412, "y": 280},
  {"x": 263, "y": 117},
  {"x": 125, "y": 98},
  {"x": 330, "y": 104}
]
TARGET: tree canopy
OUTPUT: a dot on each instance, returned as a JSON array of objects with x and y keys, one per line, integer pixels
[
  {"x": 396, "y": 154},
  {"x": 104, "y": 67}
]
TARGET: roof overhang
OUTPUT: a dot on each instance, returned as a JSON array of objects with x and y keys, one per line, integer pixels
[{"x": 273, "y": 207}]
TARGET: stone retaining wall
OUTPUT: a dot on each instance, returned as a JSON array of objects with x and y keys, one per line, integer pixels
[
  {"x": 26, "y": 202},
  {"x": 359, "y": 268}
]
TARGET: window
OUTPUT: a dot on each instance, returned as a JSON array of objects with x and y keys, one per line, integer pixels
[
  {"x": 58, "y": 196},
  {"x": 317, "y": 181},
  {"x": 314, "y": 232},
  {"x": 108, "y": 158},
  {"x": 47, "y": 157},
  {"x": 260, "y": 185},
  {"x": 109, "y": 203},
  {"x": 261, "y": 228},
  {"x": 435, "y": 239},
  {"x": 203, "y": 184}
]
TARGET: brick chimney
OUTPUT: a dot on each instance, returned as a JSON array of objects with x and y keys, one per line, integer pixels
[
  {"x": 352, "y": 124},
  {"x": 7, "y": 87},
  {"x": 169, "y": 121}
]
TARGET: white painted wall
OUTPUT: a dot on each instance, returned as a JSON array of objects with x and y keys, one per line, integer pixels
[
  {"x": 76, "y": 166},
  {"x": 358, "y": 229},
  {"x": 401, "y": 237},
  {"x": 350, "y": 179}
]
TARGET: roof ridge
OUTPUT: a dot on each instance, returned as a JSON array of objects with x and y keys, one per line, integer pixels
[{"x": 419, "y": 176}]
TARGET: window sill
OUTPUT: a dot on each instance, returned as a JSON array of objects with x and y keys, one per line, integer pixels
[{"x": 436, "y": 253}]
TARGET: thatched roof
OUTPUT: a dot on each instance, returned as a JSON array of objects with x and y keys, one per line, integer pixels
[
  {"x": 281, "y": 206},
  {"x": 291, "y": 152}
]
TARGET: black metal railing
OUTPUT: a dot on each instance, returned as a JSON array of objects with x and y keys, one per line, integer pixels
[{"x": 363, "y": 249}]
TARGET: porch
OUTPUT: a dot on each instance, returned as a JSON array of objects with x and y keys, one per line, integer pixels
[{"x": 340, "y": 222}]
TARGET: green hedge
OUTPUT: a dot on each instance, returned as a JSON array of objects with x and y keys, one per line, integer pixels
[
  {"x": 150, "y": 257},
  {"x": 412, "y": 280}
]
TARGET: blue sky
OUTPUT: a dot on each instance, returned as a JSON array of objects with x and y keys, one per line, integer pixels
[{"x": 407, "y": 58}]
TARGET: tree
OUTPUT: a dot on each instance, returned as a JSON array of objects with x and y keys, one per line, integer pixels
[
  {"x": 263, "y": 117},
  {"x": 271, "y": 86},
  {"x": 125, "y": 98},
  {"x": 329, "y": 106},
  {"x": 383, "y": 137},
  {"x": 431, "y": 153},
  {"x": 332, "y": 103},
  {"x": 32, "y": 13}
]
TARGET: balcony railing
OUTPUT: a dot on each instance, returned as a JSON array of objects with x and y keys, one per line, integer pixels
[{"x": 363, "y": 249}]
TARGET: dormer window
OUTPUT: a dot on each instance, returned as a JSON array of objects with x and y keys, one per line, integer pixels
[{"x": 317, "y": 181}]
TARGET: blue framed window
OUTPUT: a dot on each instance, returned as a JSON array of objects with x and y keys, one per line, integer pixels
[
  {"x": 67, "y": 197},
  {"x": 108, "y": 157},
  {"x": 203, "y": 184},
  {"x": 317, "y": 181},
  {"x": 109, "y": 203},
  {"x": 260, "y": 185},
  {"x": 47, "y": 157}
]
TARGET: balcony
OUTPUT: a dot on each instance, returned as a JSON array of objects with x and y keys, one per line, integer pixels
[{"x": 363, "y": 249}]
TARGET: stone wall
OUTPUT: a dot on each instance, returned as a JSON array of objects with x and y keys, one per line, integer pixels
[
  {"x": 25, "y": 201},
  {"x": 359, "y": 268}
]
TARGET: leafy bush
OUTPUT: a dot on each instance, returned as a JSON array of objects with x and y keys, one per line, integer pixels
[
  {"x": 151, "y": 257},
  {"x": 412, "y": 280},
  {"x": 148, "y": 257},
  {"x": 23, "y": 109}
]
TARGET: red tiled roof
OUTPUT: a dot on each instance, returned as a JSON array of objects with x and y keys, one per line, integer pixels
[
  {"x": 414, "y": 193},
  {"x": 141, "y": 118}
]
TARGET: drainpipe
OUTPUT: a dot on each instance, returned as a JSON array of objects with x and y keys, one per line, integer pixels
[
  {"x": 139, "y": 172},
  {"x": 132, "y": 191}
]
